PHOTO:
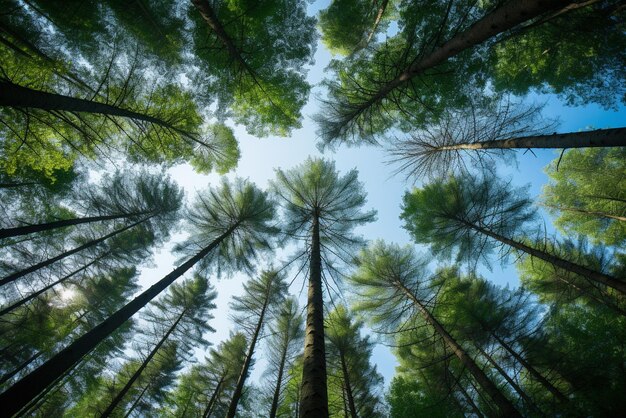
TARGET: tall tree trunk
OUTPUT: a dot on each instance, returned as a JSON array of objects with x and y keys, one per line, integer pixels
[
  {"x": 214, "y": 396},
  {"x": 534, "y": 373},
  {"x": 279, "y": 379},
  {"x": 120, "y": 395},
  {"x": 13, "y": 185},
  {"x": 232, "y": 408},
  {"x": 13, "y": 95},
  {"x": 586, "y": 212},
  {"x": 469, "y": 400},
  {"x": 348, "y": 386},
  {"x": 12, "y": 277},
  {"x": 506, "y": 408},
  {"x": 314, "y": 393},
  {"x": 22, "y": 392},
  {"x": 134, "y": 405},
  {"x": 505, "y": 17},
  {"x": 596, "y": 276},
  {"x": 31, "y": 229},
  {"x": 615, "y": 137},
  {"x": 51, "y": 285},
  {"x": 209, "y": 16},
  {"x": 379, "y": 17},
  {"x": 510, "y": 381},
  {"x": 21, "y": 367}
]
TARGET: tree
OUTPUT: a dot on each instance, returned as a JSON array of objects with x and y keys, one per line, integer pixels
[
  {"x": 349, "y": 25},
  {"x": 260, "y": 297},
  {"x": 285, "y": 334},
  {"x": 581, "y": 69},
  {"x": 554, "y": 285},
  {"x": 144, "y": 199},
  {"x": 586, "y": 192},
  {"x": 188, "y": 305},
  {"x": 393, "y": 287},
  {"x": 321, "y": 209},
  {"x": 205, "y": 389},
  {"x": 256, "y": 52},
  {"x": 230, "y": 226},
  {"x": 476, "y": 135},
  {"x": 350, "y": 354},
  {"x": 392, "y": 84},
  {"x": 472, "y": 215}
]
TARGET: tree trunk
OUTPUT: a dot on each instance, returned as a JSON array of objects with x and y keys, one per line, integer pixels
[
  {"x": 134, "y": 405},
  {"x": 30, "y": 229},
  {"x": 13, "y": 95},
  {"x": 534, "y": 373},
  {"x": 12, "y": 277},
  {"x": 50, "y": 286},
  {"x": 379, "y": 17},
  {"x": 510, "y": 381},
  {"x": 118, "y": 398},
  {"x": 469, "y": 400},
  {"x": 500, "y": 20},
  {"x": 279, "y": 380},
  {"x": 21, "y": 367},
  {"x": 586, "y": 212},
  {"x": 348, "y": 386},
  {"x": 232, "y": 408},
  {"x": 314, "y": 393},
  {"x": 22, "y": 392},
  {"x": 209, "y": 16},
  {"x": 506, "y": 408},
  {"x": 615, "y": 137},
  {"x": 214, "y": 396},
  {"x": 13, "y": 185},
  {"x": 596, "y": 276}
]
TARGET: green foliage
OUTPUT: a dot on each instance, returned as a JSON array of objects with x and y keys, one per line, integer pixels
[
  {"x": 581, "y": 69},
  {"x": 238, "y": 206},
  {"x": 586, "y": 190},
  {"x": 451, "y": 215}
]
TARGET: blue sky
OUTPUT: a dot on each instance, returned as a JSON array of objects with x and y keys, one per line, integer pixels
[{"x": 260, "y": 157}]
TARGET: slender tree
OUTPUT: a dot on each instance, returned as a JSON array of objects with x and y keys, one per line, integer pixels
[
  {"x": 586, "y": 194},
  {"x": 321, "y": 209},
  {"x": 188, "y": 304},
  {"x": 285, "y": 334},
  {"x": 394, "y": 287},
  {"x": 251, "y": 310},
  {"x": 144, "y": 198},
  {"x": 471, "y": 215},
  {"x": 231, "y": 225},
  {"x": 263, "y": 87},
  {"x": 351, "y": 355},
  {"x": 388, "y": 85},
  {"x": 481, "y": 132}
]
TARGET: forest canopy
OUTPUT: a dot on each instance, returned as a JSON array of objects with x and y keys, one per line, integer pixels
[{"x": 442, "y": 231}]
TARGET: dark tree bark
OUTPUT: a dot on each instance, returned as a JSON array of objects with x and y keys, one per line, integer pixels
[
  {"x": 118, "y": 398},
  {"x": 134, "y": 405},
  {"x": 22, "y": 392},
  {"x": 615, "y": 137},
  {"x": 13, "y": 95},
  {"x": 31, "y": 229},
  {"x": 314, "y": 393},
  {"x": 596, "y": 276},
  {"x": 506, "y": 408},
  {"x": 12, "y": 277},
  {"x": 503, "y": 18}
]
